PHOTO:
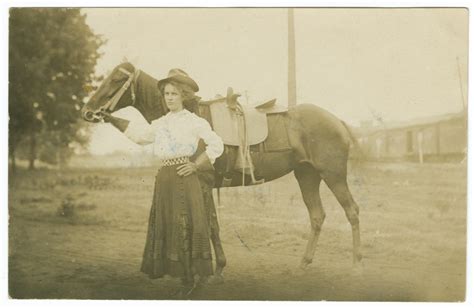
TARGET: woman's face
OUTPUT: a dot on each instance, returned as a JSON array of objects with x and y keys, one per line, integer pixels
[{"x": 173, "y": 98}]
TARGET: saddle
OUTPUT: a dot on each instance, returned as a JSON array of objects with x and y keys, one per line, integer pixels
[
  {"x": 238, "y": 125},
  {"x": 234, "y": 122},
  {"x": 241, "y": 126}
]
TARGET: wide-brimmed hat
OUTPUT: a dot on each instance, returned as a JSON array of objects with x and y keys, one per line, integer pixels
[{"x": 180, "y": 76}]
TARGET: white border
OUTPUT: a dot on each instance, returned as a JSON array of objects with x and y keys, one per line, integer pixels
[
  {"x": 236, "y": 3},
  {"x": 6, "y": 4}
]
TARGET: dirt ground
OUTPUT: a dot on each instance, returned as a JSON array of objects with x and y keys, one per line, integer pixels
[{"x": 79, "y": 234}]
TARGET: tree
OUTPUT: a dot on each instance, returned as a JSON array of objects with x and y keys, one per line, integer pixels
[
  {"x": 50, "y": 145},
  {"x": 52, "y": 55}
]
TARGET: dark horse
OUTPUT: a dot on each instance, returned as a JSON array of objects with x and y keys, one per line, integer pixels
[{"x": 318, "y": 140}]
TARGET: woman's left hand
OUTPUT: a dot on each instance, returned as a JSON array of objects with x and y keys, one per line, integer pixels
[{"x": 187, "y": 169}]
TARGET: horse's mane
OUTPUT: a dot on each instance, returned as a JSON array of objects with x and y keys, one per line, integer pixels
[
  {"x": 151, "y": 104},
  {"x": 151, "y": 101}
]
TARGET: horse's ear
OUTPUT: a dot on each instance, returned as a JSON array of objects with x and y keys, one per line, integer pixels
[{"x": 124, "y": 59}]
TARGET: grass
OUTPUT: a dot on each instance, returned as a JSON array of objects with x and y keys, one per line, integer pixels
[{"x": 75, "y": 230}]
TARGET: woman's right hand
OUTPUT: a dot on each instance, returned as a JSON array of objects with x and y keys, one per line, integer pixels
[{"x": 119, "y": 123}]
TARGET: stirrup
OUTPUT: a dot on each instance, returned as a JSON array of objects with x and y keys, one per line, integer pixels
[{"x": 257, "y": 182}]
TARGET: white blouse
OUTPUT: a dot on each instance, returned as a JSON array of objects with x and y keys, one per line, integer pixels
[{"x": 176, "y": 134}]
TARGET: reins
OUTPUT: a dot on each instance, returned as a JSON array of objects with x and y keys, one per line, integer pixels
[{"x": 132, "y": 78}]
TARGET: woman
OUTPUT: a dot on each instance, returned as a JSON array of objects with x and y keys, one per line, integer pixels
[{"x": 177, "y": 242}]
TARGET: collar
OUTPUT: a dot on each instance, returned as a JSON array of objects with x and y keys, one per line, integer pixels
[{"x": 178, "y": 114}]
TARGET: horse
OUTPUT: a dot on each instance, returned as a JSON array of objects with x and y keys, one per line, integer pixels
[{"x": 319, "y": 151}]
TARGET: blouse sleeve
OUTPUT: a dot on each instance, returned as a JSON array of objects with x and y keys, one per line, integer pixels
[
  {"x": 214, "y": 144},
  {"x": 141, "y": 132}
]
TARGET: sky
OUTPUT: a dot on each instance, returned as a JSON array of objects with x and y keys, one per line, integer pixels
[{"x": 360, "y": 64}]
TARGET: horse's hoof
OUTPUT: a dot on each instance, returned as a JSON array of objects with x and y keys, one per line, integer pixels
[
  {"x": 215, "y": 279},
  {"x": 357, "y": 259},
  {"x": 219, "y": 270},
  {"x": 304, "y": 263}
]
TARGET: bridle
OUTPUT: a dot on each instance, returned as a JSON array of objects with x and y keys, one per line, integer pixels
[
  {"x": 132, "y": 79},
  {"x": 112, "y": 102}
]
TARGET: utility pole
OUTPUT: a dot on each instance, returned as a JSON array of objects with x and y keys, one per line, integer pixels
[
  {"x": 291, "y": 59},
  {"x": 460, "y": 85}
]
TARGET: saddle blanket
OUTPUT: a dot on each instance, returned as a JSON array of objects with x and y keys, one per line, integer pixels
[{"x": 277, "y": 139}]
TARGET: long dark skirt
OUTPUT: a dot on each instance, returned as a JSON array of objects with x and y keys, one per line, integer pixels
[{"x": 177, "y": 241}]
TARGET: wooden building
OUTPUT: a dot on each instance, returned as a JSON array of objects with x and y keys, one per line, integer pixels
[{"x": 440, "y": 138}]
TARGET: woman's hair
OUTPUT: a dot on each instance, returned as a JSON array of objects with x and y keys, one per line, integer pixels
[{"x": 190, "y": 100}]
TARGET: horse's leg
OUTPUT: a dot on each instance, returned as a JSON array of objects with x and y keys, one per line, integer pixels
[
  {"x": 338, "y": 185},
  {"x": 219, "y": 251},
  {"x": 309, "y": 181},
  {"x": 214, "y": 229}
]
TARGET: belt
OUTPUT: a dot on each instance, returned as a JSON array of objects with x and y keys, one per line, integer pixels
[{"x": 175, "y": 161}]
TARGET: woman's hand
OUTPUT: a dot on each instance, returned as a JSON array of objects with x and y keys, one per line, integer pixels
[
  {"x": 119, "y": 123},
  {"x": 187, "y": 169}
]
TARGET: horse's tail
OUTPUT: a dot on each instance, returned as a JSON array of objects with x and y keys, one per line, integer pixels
[{"x": 358, "y": 154}]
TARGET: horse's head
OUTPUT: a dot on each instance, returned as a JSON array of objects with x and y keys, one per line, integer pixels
[{"x": 116, "y": 92}]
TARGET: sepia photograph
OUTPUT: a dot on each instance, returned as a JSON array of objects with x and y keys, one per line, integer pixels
[{"x": 249, "y": 154}]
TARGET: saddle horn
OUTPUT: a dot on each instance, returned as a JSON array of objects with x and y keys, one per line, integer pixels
[{"x": 231, "y": 98}]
